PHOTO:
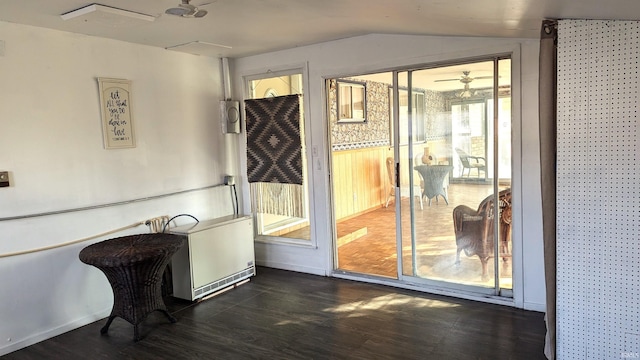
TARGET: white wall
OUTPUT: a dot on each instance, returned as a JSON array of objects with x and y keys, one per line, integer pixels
[
  {"x": 51, "y": 142},
  {"x": 373, "y": 53}
]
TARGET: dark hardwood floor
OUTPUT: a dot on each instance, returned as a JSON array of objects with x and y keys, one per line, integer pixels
[{"x": 287, "y": 315}]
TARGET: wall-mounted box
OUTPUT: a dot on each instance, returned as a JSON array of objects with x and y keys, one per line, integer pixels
[
  {"x": 4, "y": 178},
  {"x": 230, "y": 116},
  {"x": 217, "y": 253}
]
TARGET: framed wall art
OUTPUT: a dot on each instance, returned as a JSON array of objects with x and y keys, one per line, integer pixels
[{"x": 115, "y": 108}]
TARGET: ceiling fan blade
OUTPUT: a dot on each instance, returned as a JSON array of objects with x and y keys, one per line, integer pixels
[
  {"x": 482, "y": 77},
  {"x": 177, "y": 11},
  {"x": 183, "y": 9},
  {"x": 446, "y": 80},
  {"x": 200, "y": 13}
]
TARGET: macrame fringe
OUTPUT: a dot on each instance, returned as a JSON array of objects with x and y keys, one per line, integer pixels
[{"x": 278, "y": 199}]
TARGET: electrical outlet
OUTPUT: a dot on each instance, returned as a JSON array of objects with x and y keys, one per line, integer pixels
[{"x": 4, "y": 178}]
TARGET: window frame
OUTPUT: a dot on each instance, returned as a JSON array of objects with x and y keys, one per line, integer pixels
[
  {"x": 350, "y": 118},
  {"x": 419, "y": 120}
]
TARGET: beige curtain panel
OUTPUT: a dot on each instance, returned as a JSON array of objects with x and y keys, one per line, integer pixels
[{"x": 547, "y": 112}]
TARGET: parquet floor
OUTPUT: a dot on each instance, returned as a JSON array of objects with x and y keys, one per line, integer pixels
[{"x": 375, "y": 252}]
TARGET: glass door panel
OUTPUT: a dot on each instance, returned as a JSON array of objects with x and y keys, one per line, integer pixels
[
  {"x": 451, "y": 239},
  {"x": 363, "y": 177}
]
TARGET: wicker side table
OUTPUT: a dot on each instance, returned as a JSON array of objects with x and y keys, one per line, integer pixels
[
  {"x": 134, "y": 266},
  {"x": 433, "y": 177}
]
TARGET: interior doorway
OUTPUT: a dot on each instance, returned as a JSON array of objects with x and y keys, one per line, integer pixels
[{"x": 416, "y": 176}]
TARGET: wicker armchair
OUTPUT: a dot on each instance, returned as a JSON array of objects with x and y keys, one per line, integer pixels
[
  {"x": 471, "y": 162},
  {"x": 474, "y": 229}
]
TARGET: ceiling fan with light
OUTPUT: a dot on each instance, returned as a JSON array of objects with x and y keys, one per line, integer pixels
[
  {"x": 187, "y": 10},
  {"x": 466, "y": 80}
]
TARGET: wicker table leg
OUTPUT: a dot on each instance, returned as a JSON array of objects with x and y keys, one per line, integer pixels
[
  {"x": 105, "y": 328},
  {"x": 136, "y": 293}
]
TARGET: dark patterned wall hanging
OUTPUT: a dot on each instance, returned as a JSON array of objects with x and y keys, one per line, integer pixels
[{"x": 274, "y": 147}]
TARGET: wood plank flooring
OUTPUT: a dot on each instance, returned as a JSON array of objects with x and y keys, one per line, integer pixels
[{"x": 288, "y": 315}]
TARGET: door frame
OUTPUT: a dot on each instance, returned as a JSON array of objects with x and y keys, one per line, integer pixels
[
  {"x": 433, "y": 286},
  {"x": 266, "y": 73}
]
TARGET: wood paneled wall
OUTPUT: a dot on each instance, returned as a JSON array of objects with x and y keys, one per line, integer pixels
[{"x": 360, "y": 180}]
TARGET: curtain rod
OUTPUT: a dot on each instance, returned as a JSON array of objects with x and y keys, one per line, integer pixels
[{"x": 93, "y": 207}]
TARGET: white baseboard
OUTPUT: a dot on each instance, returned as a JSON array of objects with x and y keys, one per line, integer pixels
[
  {"x": 291, "y": 267},
  {"x": 48, "y": 334},
  {"x": 535, "y": 307}
]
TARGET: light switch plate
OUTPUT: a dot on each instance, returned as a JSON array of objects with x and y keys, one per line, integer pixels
[{"x": 4, "y": 178}]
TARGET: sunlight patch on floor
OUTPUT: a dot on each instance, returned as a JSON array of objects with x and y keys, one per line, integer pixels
[
  {"x": 390, "y": 303},
  {"x": 352, "y": 236}
]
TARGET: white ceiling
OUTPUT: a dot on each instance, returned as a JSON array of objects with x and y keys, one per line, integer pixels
[{"x": 247, "y": 27}]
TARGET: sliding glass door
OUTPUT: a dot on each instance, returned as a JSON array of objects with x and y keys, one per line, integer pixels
[
  {"x": 421, "y": 181},
  {"x": 461, "y": 237}
]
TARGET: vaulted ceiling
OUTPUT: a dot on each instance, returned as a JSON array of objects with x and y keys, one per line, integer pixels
[{"x": 235, "y": 28}]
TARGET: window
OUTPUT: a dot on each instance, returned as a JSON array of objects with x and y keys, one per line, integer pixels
[
  {"x": 274, "y": 225},
  {"x": 351, "y": 102},
  {"x": 417, "y": 115}
]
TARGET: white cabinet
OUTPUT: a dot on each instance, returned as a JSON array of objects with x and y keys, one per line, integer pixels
[{"x": 217, "y": 253}]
